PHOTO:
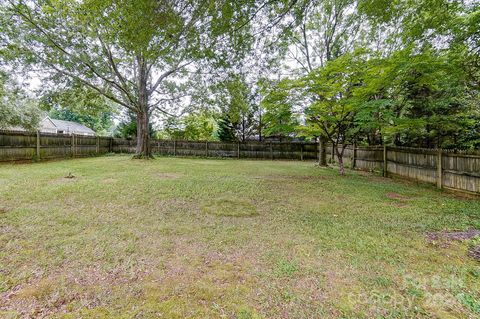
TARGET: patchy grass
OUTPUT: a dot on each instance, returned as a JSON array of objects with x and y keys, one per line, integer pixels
[
  {"x": 163, "y": 239},
  {"x": 229, "y": 207}
]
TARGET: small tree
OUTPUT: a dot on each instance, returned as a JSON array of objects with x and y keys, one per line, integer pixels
[
  {"x": 199, "y": 126},
  {"x": 335, "y": 104}
]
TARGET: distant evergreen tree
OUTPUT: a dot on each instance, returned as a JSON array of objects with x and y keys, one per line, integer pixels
[
  {"x": 128, "y": 127},
  {"x": 226, "y": 130}
]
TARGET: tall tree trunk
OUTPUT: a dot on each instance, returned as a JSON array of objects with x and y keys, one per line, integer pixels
[{"x": 143, "y": 149}]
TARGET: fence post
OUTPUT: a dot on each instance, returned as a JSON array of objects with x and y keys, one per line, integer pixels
[
  {"x": 439, "y": 169},
  {"x": 333, "y": 153},
  {"x": 98, "y": 145},
  {"x": 271, "y": 151},
  {"x": 174, "y": 148},
  {"x": 206, "y": 148},
  {"x": 238, "y": 150},
  {"x": 110, "y": 145},
  {"x": 301, "y": 151},
  {"x": 38, "y": 145},
  {"x": 73, "y": 145},
  {"x": 354, "y": 158},
  {"x": 385, "y": 161}
]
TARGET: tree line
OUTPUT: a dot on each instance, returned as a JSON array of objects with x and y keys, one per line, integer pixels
[{"x": 345, "y": 71}]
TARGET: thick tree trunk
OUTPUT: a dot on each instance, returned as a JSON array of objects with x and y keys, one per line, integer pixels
[
  {"x": 143, "y": 149},
  {"x": 322, "y": 151}
]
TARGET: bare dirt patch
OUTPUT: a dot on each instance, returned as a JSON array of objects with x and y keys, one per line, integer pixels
[
  {"x": 399, "y": 200},
  {"x": 444, "y": 238},
  {"x": 458, "y": 236},
  {"x": 44, "y": 296},
  {"x": 475, "y": 252},
  {"x": 397, "y": 196}
]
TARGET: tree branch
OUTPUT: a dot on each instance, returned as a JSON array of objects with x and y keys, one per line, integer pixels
[{"x": 167, "y": 74}]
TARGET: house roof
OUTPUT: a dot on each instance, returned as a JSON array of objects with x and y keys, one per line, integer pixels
[{"x": 69, "y": 126}]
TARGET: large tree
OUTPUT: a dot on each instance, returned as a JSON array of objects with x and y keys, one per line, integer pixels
[
  {"x": 323, "y": 31},
  {"x": 132, "y": 52}
]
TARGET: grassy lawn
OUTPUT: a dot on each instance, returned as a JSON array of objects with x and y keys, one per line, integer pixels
[{"x": 196, "y": 238}]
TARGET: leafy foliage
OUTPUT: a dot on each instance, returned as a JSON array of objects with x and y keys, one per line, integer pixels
[
  {"x": 16, "y": 108},
  {"x": 198, "y": 126},
  {"x": 80, "y": 104},
  {"x": 378, "y": 72},
  {"x": 134, "y": 53},
  {"x": 238, "y": 103},
  {"x": 279, "y": 118},
  {"x": 127, "y": 128}
]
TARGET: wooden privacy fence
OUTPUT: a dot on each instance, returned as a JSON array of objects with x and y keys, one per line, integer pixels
[
  {"x": 250, "y": 149},
  {"x": 451, "y": 169},
  {"x": 17, "y": 146},
  {"x": 458, "y": 170}
]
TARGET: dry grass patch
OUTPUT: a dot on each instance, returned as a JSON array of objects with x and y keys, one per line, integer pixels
[
  {"x": 397, "y": 196},
  {"x": 166, "y": 175},
  {"x": 229, "y": 208}
]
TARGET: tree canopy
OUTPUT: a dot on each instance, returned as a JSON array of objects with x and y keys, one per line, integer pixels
[
  {"x": 16, "y": 108},
  {"x": 371, "y": 71},
  {"x": 135, "y": 53}
]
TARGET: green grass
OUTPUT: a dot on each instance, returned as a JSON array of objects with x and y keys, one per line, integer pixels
[
  {"x": 196, "y": 238},
  {"x": 229, "y": 207}
]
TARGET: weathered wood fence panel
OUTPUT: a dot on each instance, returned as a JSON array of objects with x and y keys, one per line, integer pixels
[
  {"x": 54, "y": 146},
  {"x": 461, "y": 171},
  {"x": 458, "y": 170},
  {"x": 250, "y": 149},
  {"x": 418, "y": 164},
  {"x": 370, "y": 158},
  {"x": 17, "y": 146}
]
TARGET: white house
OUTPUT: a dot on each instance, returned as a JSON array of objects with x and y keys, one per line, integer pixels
[{"x": 49, "y": 125}]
